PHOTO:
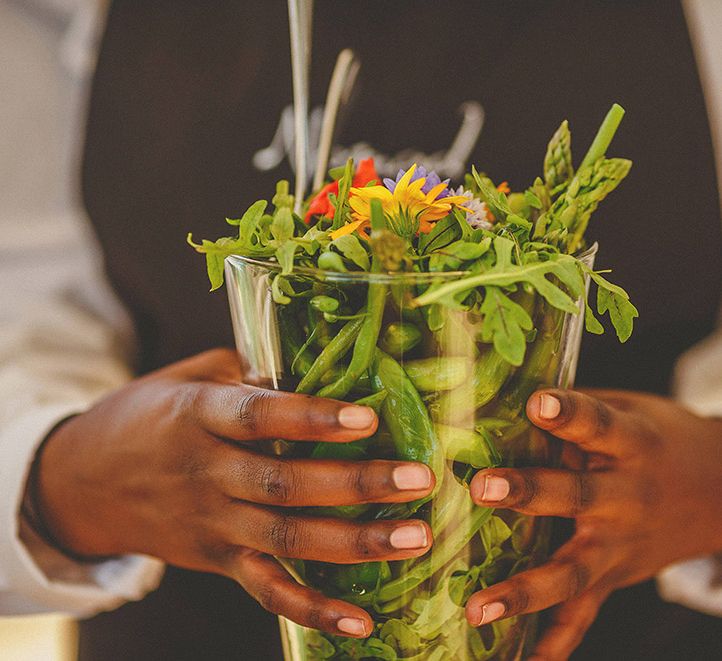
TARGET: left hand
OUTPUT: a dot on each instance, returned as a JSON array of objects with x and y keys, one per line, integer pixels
[{"x": 643, "y": 497}]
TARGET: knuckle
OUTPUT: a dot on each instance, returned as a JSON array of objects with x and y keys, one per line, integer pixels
[
  {"x": 525, "y": 488},
  {"x": 601, "y": 418},
  {"x": 518, "y": 599},
  {"x": 362, "y": 482},
  {"x": 252, "y": 408},
  {"x": 583, "y": 493},
  {"x": 284, "y": 536},
  {"x": 577, "y": 575},
  {"x": 276, "y": 482},
  {"x": 365, "y": 543},
  {"x": 268, "y": 598},
  {"x": 314, "y": 618}
]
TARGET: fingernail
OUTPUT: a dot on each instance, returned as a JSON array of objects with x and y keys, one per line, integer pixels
[
  {"x": 352, "y": 626},
  {"x": 495, "y": 489},
  {"x": 491, "y": 612},
  {"x": 549, "y": 407},
  {"x": 356, "y": 417},
  {"x": 412, "y": 477},
  {"x": 409, "y": 537}
]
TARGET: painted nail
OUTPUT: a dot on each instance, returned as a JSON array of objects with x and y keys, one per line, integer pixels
[
  {"x": 412, "y": 477},
  {"x": 549, "y": 407},
  {"x": 356, "y": 417},
  {"x": 409, "y": 537},
  {"x": 495, "y": 489},
  {"x": 492, "y": 611},
  {"x": 352, "y": 626}
]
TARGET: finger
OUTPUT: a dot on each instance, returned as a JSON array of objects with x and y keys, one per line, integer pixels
[
  {"x": 276, "y": 590},
  {"x": 250, "y": 476},
  {"x": 586, "y": 421},
  {"x": 326, "y": 539},
  {"x": 569, "y": 624},
  {"x": 569, "y": 572},
  {"x": 542, "y": 491},
  {"x": 247, "y": 413}
]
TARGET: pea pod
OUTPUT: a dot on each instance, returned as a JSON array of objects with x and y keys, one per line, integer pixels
[
  {"x": 405, "y": 415},
  {"x": 331, "y": 354},
  {"x": 435, "y": 374},
  {"x": 489, "y": 374},
  {"x": 399, "y": 338}
]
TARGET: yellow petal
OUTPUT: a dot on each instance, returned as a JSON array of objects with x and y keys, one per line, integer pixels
[
  {"x": 400, "y": 189},
  {"x": 347, "y": 229},
  {"x": 434, "y": 192}
]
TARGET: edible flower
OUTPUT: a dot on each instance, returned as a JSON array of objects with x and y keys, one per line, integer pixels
[
  {"x": 321, "y": 205},
  {"x": 408, "y": 208},
  {"x": 432, "y": 180},
  {"x": 477, "y": 213}
]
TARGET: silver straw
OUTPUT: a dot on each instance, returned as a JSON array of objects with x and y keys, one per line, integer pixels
[
  {"x": 339, "y": 91},
  {"x": 300, "y": 18}
]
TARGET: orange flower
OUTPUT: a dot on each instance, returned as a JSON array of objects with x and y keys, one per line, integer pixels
[{"x": 321, "y": 205}]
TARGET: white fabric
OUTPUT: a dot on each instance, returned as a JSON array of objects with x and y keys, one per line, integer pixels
[
  {"x": 63, "y": 341},
  {"x": 698, "y": 384}
]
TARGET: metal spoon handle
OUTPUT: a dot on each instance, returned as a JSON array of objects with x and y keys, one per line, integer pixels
[
  {"x": 339, "y": 90},
  {"x": 300, "y": 18}
]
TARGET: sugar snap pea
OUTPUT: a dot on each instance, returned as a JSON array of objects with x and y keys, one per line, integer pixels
[
  {"x": 435, "y": 374},
  {"x": 399, "y": 338},
  {"x": 405, "y": 415}
]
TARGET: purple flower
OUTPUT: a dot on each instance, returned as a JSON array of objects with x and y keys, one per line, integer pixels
[{"x": 432, "y": 179}]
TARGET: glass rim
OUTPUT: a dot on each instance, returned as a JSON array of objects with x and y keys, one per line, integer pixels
[{"x": 413, "y": 277}]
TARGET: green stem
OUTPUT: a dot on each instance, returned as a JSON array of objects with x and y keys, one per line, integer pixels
[{"x": 604, "y": 136}]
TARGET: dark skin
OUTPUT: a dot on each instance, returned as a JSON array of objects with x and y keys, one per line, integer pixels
[
  {"x": 639, "y": 476},
  {"x": 168, "y": 466}
]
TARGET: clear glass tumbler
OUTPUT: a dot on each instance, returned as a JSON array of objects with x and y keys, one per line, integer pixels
[{"x": 443, "y": 397}]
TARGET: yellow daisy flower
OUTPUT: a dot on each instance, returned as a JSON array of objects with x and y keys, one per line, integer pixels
[{"x": 408, "y": 209}]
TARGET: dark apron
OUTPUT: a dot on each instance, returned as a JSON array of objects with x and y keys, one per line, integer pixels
[{"x": 186, "y": 93}]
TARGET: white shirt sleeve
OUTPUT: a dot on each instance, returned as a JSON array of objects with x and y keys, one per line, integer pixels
[
  {"x": 697, "y": 583},
  {"x": 63, "y": 344}
]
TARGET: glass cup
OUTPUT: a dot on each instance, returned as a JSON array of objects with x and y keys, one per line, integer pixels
[{"x": 443, "y": 397}]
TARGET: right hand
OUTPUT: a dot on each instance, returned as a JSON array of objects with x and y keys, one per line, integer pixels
[{"x": 166, "y": 467}]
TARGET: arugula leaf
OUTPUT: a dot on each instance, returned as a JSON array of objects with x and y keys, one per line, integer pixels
[
  {"x": 284, "y": 254},
  {"x": 505, "y": 273},
  {"x": 370, "y": 648},
  {"x": 252, "y": 214},
  {"x": 591, "y": 323},
  {"x": 453, "y": 255},
  {"x": 495, "y": 200},
  {"x": 282, "y": 225},
  {"x": 350, "y": 247},
  {"x": 505, "y": 324},
  {"x": 613, "y": 299}
]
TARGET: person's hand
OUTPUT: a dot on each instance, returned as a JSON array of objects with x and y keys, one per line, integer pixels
[
  {"x": 166, "y": 467},
  {"x": 644, "y": 496}
]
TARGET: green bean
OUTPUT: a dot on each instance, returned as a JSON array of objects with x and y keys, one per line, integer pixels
[
  {"x": 399, "y": 338},
  {"x": 435, "y": 374},
  {"x": 363, "y": 350},
  {"x": 331, "y": 354}
]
